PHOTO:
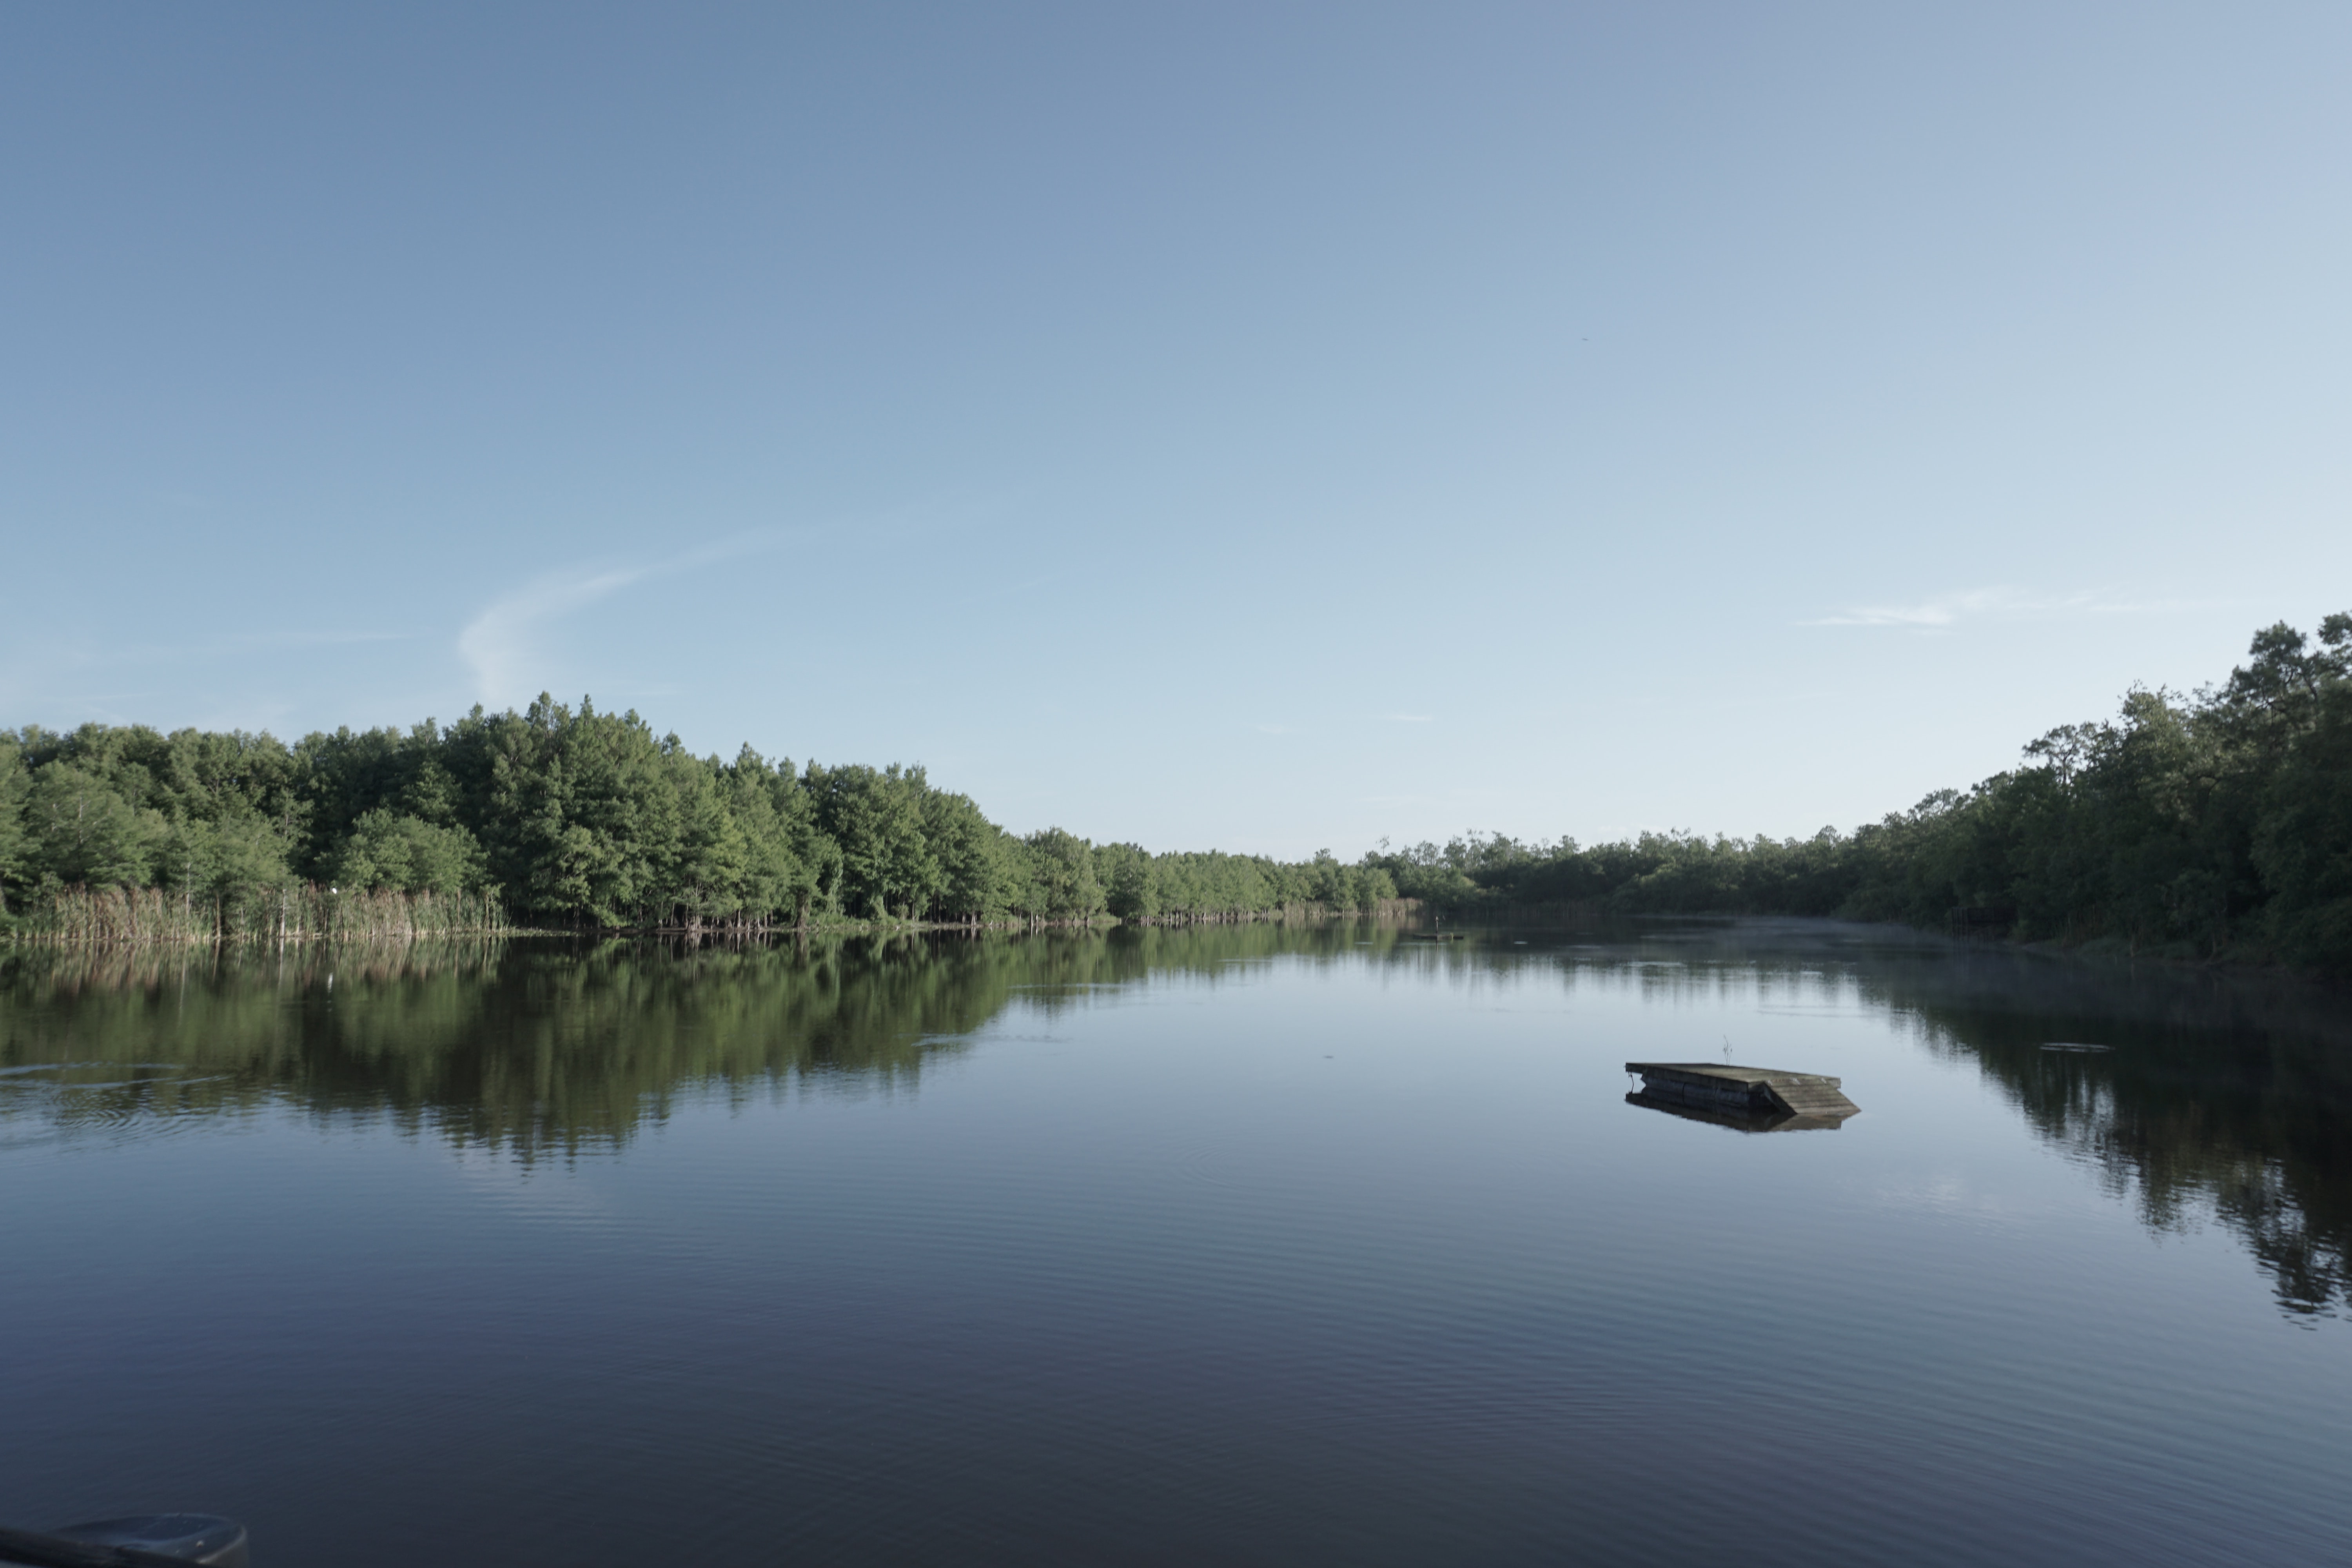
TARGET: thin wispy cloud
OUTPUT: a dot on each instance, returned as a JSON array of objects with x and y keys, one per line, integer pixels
[
  {"x": 1946, "y": 611},
  {"x": 502, "y": 643}
]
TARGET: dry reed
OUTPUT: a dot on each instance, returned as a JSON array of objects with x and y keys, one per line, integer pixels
[{"x": 300, "y": 912}]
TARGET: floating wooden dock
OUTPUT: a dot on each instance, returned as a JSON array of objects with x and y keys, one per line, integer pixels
[{"x": 1754, "y": 1099}]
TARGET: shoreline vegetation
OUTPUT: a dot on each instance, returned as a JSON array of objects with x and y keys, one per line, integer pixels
[
  {"x": 2211, "y": 827},
  {"x": 304, "y": 912}
]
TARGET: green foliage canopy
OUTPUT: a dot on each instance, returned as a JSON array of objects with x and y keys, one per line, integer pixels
[
  {"x": 2216, "y": 822},
  {"x": 2204, "y": 825},
  {"x": 576, "y": 817}
]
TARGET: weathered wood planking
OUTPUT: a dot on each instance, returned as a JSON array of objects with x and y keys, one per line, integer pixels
[{"x": 1760, "y": 1100}]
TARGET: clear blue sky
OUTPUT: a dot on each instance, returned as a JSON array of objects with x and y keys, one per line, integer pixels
[{"x": 1259, "y": 425}]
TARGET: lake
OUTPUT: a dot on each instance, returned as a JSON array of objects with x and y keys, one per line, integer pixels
[{"x": 1240, "y": 1244}]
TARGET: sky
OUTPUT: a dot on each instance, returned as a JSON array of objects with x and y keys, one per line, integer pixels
[{"x": 1265, "y": 427}]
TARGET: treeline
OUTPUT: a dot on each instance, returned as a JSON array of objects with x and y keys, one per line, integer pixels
[
  {"x": 2214, "y": 823},
  {"x": 2218, "y": 823},
  {"x": 551, "y": 817}
]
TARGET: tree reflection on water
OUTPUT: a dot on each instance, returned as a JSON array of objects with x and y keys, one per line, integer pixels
[{"x": 2222, "y": 1098}]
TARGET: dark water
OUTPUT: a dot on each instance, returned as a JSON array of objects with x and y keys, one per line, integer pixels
[{"x": 1240, "y": 1246}]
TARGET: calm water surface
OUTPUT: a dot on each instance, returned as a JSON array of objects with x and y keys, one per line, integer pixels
[{"x": 1247, "y": 1244}]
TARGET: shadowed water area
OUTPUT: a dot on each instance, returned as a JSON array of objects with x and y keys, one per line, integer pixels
[{"x": 1256, "y": 1244}]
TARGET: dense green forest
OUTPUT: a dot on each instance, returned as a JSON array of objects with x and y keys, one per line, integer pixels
[
  {"x": 2210, "y": 825},
  {"x": 555, "y": 817},
  {"x": 2217, "y": 823}
]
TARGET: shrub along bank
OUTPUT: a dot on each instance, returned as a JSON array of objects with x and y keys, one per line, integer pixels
[{"x": 2213, "y": 824}]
